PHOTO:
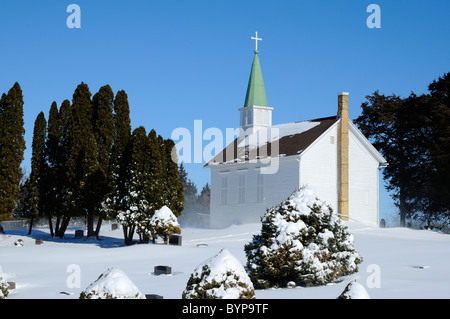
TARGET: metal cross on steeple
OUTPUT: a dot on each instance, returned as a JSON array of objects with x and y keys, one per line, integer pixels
[{"x": 256, "y": 40}]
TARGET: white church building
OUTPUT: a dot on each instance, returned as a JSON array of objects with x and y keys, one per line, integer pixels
[{"x": 266, "y": 163}]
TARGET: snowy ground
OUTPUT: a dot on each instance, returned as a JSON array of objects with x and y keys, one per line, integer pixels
[{"x": 398, "y": 262}]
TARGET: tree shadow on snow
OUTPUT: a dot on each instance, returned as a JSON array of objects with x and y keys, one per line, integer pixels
[{"x": 69, "y": 237}]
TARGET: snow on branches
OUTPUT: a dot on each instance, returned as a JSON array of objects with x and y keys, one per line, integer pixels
[
  {"x": 302, "y": 241},
  {"x": 219, "y": 277}
]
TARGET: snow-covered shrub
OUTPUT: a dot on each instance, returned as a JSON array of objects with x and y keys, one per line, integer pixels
[
  {"x": 164, "y": 224},
  {"x": 4, "y": 292},
  {"x": 354, "y": 290},
  {"x": 219, "y": 277},
  {"x": 112, "y": 284},
  {"x": 301, "y": 240}
]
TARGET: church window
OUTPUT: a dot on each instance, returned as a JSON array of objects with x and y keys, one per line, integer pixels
[
  {"x": 259, "y": 188},
  {"x": 224, "y": 190},
  {"x": 241, "y": 189}
]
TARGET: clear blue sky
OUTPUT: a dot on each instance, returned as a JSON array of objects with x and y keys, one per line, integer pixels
[{"x": 181, "y": 61}]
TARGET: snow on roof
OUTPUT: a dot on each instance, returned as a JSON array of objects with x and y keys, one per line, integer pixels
[
  {"x": 289, "y": 129},
  {"x": 275, "y": 132},
  {"x": 284, "y": 139}
]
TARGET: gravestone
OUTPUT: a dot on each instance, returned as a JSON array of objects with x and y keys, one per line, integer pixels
[
  {"x": 11, "y": 285},
  {"x": 79, "y": 233},
  {"x": 153, "y": 296},
  {"x": 175, "y": 240},
  {"x": 162, "y": 270},
  {"x": 19, "y": 242},
  {"x": 383, "y": 223},
  {"x": 39, "y": 242},
  {"x": 115, "y": 226}
]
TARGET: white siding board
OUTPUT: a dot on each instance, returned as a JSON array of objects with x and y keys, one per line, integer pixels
[
  {"x": 363, "y": 183},
  {"x": 318, "y": 167},
  {"x": 277, "y": 187}
]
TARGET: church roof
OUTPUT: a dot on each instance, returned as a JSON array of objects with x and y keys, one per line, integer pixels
[
  {"x": 293, "y": 139},
  {"x": 256, "y": 93}
]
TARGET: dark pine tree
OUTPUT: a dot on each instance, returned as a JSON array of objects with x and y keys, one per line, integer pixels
[
  {"x": 52, "y": 185},
  {"x": 156, "y": 173},
  {"x": 400, "y": 130},
  {"x": 120, "y": 157},
  {"x": 189, "y": 216},
  {"x": 37, "y": 168},
  {"x": 83, "y": 158},
  {"x": 12, "y": 146},
  {"x": 103, "y": 128},
  {"x": 172, "y": 187},
  {"x": 204, "y": 199},
  {"x": 139, "y": 210},
  {"x": 57, "y": 153},
  {"x": 440, "y": 145}
]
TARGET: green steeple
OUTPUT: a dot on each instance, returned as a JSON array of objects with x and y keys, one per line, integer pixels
[{"x": 256, "y": 93}]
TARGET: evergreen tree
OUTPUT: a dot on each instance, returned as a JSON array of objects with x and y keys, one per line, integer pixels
[
  {"x": 51, "y": 182},
  {"x": 195, "y": 206},
  {"x": 103, "y": 125},
  {"x": 103, "y": 128},
  {"x": 120, "y": 157},
  {"x": 401, "y": 129},
  {"x": 204, "y": 199},
  {"x": 163, "y": 224},
  {"x": 83, "y": 159},
  {"x": 220, "y": 277},
  {"x": 140, "y": 183},
  {"x": 302, "y": 241},
  {"x": 440, "y": 146},
  {"x": 23, "y": 207},
  {"x": 38, "y": 167},
  {"x": 57, "y": 157},
  {"x": 135, "y": 204},
  {"x": 12, "y": 146},
  {"x": 117, "y": 203},
  {"x": 156, "y": 167},
  {"x": 172, "y": 187},
  {"x": 189, "y": 192}
]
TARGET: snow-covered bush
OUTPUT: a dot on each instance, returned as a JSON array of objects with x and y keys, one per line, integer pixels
[
  {"x": 354, "y": 290},
  {"x": 4, "y": 292},
  {"x": 301, "y": 240},
  {"x": 163, "y": 224},
  {"x": 219, "y": 277},
  {"x": 112, "y": 284}
]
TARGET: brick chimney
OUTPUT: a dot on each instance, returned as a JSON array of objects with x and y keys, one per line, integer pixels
[{"x": 342, "y": 145}]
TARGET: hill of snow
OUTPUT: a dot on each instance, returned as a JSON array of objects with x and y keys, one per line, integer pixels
[{"x": 398, "y": 262}]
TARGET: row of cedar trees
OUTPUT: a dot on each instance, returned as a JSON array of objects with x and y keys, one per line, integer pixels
[
  {"x": 413, "y": 134},
  {"x": 87, "y": 162}
]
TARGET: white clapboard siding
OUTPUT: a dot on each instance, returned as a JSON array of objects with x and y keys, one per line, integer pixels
[
  {"x": 318, "y": 167},
  {"x": 363, "y": 183},
  {"x": 275, "y": 188}
]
